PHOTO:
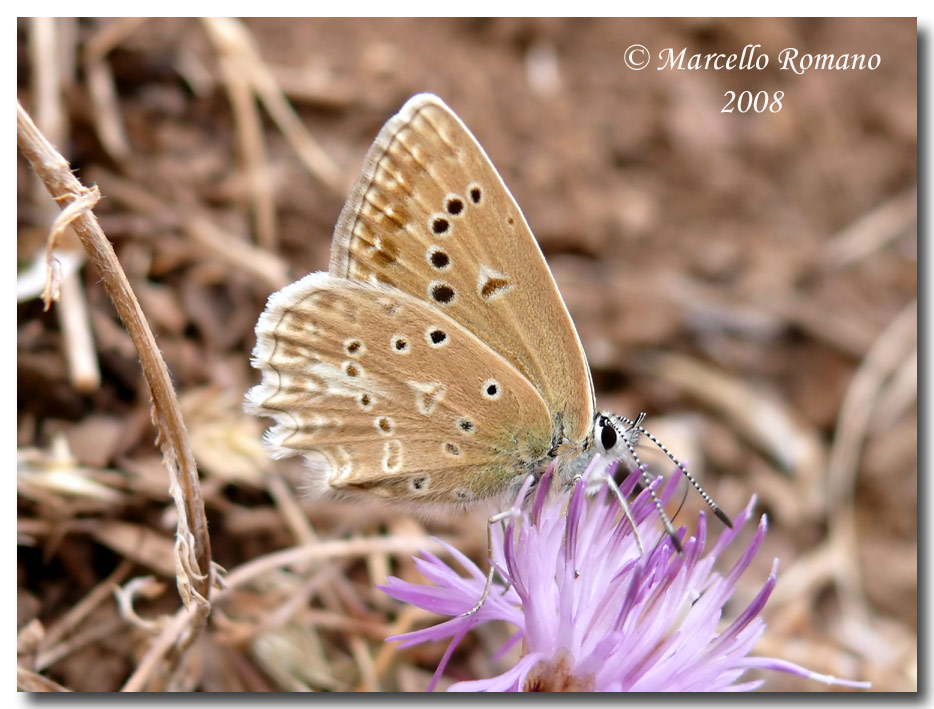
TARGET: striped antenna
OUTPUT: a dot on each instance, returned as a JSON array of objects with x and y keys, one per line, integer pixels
[{"x": 636, "y": 428}]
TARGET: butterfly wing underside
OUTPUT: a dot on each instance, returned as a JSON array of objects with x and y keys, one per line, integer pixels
[
  {"x": 431, "y": 216},
  {"x": 371, "y": 385}
]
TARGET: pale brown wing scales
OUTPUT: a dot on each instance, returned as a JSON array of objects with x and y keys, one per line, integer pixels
[
  {"x": 386, "y": 394},
  {"x": 431, "y": 216}
]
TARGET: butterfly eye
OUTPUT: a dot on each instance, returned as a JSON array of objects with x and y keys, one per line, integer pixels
[{"x": 607, "y": 435}]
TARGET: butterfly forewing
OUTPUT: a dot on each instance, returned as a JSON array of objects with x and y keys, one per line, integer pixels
[
  {"x": 431, "y": 216},
  {"x": 391, "y": 396}
]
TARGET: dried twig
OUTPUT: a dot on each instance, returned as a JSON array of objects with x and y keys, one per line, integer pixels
[
  {"x": 232, "y": 39},
  {"x": 86, "y": 636},
  {"x": 896, "y": 343},
  {"x": 264, "y": 266},
  {"x": 172, "y": 642},
  {"x": 873, "y": 231},
  {"x": 172, "y": 635},
  {"x": 249, "y": 136},
  {"x": 52, "y": 52},
  {"x": 106, "y": 105},
  {"x": 73, "y": 618},
  {"x": 333, "y": 549},
  {"x": 27, "y": 681},
  {"x": 193, "y": 547},
  {"x": 101, "y": 87},
  {"x": 761, "y": 419},
  {"x": 291, "y": 512},
  {"x": 837, "y": 558}
]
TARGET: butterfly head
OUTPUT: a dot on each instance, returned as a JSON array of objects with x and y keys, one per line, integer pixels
[{"x": 615, "y": 436}]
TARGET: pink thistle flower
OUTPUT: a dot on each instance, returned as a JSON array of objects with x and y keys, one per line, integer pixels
[{"x": 591, "y": 611}]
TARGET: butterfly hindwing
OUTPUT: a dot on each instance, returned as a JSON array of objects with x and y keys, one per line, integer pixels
[{"x": 386, "y": 394}]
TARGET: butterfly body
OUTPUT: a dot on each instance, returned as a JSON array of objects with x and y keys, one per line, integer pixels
[{"x": 435, "y": 363}]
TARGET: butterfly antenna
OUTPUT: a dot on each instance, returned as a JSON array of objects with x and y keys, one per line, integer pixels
[
  {"x": 647, "y": 480},
  {"x": 637, "y": 425}
]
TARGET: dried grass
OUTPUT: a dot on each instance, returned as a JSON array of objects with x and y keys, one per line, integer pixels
[{"x": 789, "y": 329}]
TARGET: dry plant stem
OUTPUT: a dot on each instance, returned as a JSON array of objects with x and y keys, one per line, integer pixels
[
  {"x": 298, "y": 84},
  {"x": 252, "y": 149},
  {"x": 105, "y": 104},
  {"x": 50, "y": 52},
  {"x": 873, "y": 231},
  {"x": 837, "y": 559},
  {"x": 79, "y": 341},
  {"x": 290, "y": 510},
  {"x": 106, "y": 109},
  {"x": 300, "y": 597},
  {"x": 231, "y": 34},
  {"x": 28, "y": 638},
  {"x": 145, "y": 586},
  {"x": 193, "y": 546},
  {"x": 80, "y": 640},
  {"x": 893, "y": 346},
  {"x": 172, "y": 642},
  {"x": 72, "y": 619},
  {"x": 336, "y": 548},
  {"x": 169, "y": 638},
  {"x": 109, "y": 36},
  {"x": 34, "y": 528},
  {"x": 900, "y": 394},
  {"x": 27, "y": 681},
  {"x": 763, "y": 420},
  {"x": 263, "y": 266},
  {"x": 139, "y": 543},
  {"x": 260, "y": 264},
  {"x": 348, "y": 624},
  {"x": 389, "y": 653},
  {"x": 848, "y": 335},
  {"x": 896, "y": 343},
  {"x": 365, "y": 665},
  {"x": 45, "y": 51}
]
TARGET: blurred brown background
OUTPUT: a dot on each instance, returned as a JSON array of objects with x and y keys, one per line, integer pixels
[{"x": 749, "y": 280}]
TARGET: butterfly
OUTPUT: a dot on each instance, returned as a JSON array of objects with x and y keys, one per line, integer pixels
[{"x": 435, "y": 364}]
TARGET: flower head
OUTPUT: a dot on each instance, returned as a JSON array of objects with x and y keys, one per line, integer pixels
[{"x": 594, "y": 613}]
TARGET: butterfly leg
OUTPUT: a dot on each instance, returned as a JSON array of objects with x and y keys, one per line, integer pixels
[
  {"x": 611, "y": 483},
  {"x": 513, "y": 512},
  {"x": 598, "y": 477},
  {"x": 498, "y": 517}
]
